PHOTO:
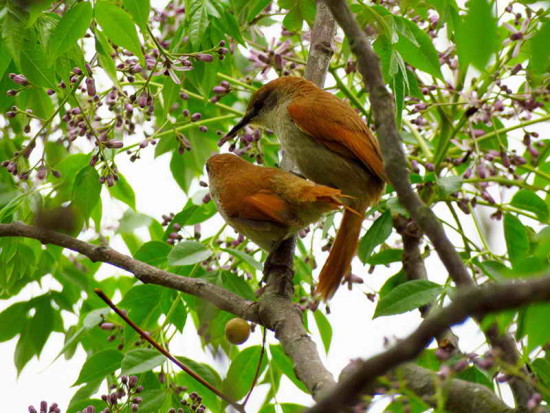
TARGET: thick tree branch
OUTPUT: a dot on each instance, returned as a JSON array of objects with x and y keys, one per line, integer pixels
[
  {"x": 221, "y": 298},
  {"x": 395, "y": 163},
  {"x": 461, "y": 396},
  {"x": 469, "y": 302}
]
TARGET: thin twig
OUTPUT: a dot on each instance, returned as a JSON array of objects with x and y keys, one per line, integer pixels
[
  {"x": 258, "y": 367},
  {"x": 166, "y": 353}
]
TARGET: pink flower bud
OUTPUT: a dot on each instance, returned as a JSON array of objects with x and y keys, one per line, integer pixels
[{"x": 204, "y": 57}]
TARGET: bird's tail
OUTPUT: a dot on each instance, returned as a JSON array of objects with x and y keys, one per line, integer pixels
[{"x": 338, "y": 263}]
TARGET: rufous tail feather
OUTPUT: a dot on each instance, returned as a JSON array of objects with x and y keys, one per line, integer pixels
[{"x": 338, "y": 263}]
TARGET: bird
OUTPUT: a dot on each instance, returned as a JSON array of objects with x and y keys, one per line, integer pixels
[
  {"x": 331, "y": 145},
  {"x": 266, "y": 205}
]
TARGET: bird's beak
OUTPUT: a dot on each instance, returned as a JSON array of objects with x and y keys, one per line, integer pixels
[{"x": 242, "y": 123}]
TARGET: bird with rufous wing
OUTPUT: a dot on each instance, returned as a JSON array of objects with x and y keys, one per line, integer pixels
[{"x": 331, "y": 145}]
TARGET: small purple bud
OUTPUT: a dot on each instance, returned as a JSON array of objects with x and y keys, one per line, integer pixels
[
  {"x": 429, "y": 166},
  {"x": 219, "y": 90},
  {"x": 132, "y": 381},
  {"x": 114, "y": 144},
  {"x": 110, "y": 180},
  {"x": 107, "y": 326},
  {"x": 204, "y": 57},
  {"x": 196, "y": 116},
  {"x": 129, "y": 108},
  {"x": 203, "y": 129},
  {"x": 90, "y": 86},
  {"x": 32, "y": 409},
  {"x": 184, "y": 96},
  {"x": 481, "y": 171},
  {"x": 144, "y": 143},
  {"x": 42, "y": 171},
  {"x": 77, "y": 71},
  {"x": 460, "y": 365},
  {"x": 206, "y": 199},
  {"x": 12, "y": 92},
  {"x": 444, "y": 372},
  {"x": 467, "y": 174},
  {"x": 11, "y": 114},
  {"x": 20, "y": 80}
]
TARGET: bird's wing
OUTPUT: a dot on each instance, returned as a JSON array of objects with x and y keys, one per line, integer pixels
[
  {"x": 265, "y": 206},
  {"x": 349, "y": 137}
]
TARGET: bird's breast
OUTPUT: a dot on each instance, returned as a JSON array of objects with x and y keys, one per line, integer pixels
[{"x": 320, "y": 164}]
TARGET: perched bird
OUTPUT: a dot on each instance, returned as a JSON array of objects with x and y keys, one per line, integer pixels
[
  {"x": 331, "y": 145},
  {"x": 267, "y": 205}
]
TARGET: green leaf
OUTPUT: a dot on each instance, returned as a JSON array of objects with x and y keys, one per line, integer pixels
[
  {"x": 143, "y": 301},
  {"x": 209, "y": 399},
  {"x": 477, "y": 37},
  {"x": 293, "y": 20},
  {"x": 123, "y": 192},
  {"x": 182, "y": 173},
  {"x": 13, "y": 30},
  {"x": 131, "y": 221},
  {"x": 385, "y": 257},
  {"x": 24, "y": 349},
  {"x": 86, "y": 191},
  {"x": 236, "y": 284},
  {"x": 153, "y": 400},
  {"x": 325, "y": 329},
  {"x": 406, "y": 297},
  {"x": 71, "y": 27},
  {"x": 418, "y": 50},
  {"x": 188, "y": 253},
  {"x": 42, "y": 323},
  {"x": 475, "y": 375},
  {"x": 12, "y": 320},
  {"x": 118, "y": 26},
  {"x": 281, "y": 362},
  {"x": 141, "y": 360},
  {"x": 154, "y": 253},
  {"x": 517, "y": 241},
  {"x": 241, "y": 372},
  {"x": 379, "y": 231},
  {"x": 537, "y": 326},
  {"x": 139, "y": 9},
  {"x": 449, "y": 184},
  {"x": 245, "y": 257},
  {"x": 197, "y": 17},
  {"x": 99, "y": 366},
  {"x": 542, "y": 369},
  {"x": 539, "y": 56},
  {"x": 528, "y": 200},
  {"x": 35, "y": 64}
]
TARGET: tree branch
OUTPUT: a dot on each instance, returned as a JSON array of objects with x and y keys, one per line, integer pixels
[
  {"x": 395, "y": 164},
  {"x": 461, "y": 396},
  {"x": 276, "y": 308},
  {"x": 221, "y": 298},
  {"x": 469, "y": 302}
]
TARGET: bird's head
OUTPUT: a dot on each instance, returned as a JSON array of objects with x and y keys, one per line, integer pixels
[
  {"x": 267, "y": 99},
  {"x": 218, "y": 166}
]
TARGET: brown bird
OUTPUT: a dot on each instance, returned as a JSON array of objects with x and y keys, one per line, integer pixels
[
  {"x": 267, "y": 205},
  {"x": 331, "y": 145}
]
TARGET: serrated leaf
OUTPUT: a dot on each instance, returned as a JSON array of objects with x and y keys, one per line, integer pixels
[
  {"x": 517, "y": 241},
  {"x": 188, "y": 253},
  {"x": 407, "y": 296},
  {"x": 99, "y": 366},
  {"x": 379, "y": 231},
  {"x": 241, "y": 372},
  {"x": 141, "y": 360},
  {"x": 118, "y": 26},
  {"x": 70, "y": 28},
  {"x": 197, "y": 16},
  {"x": 529, "y": 201}
]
